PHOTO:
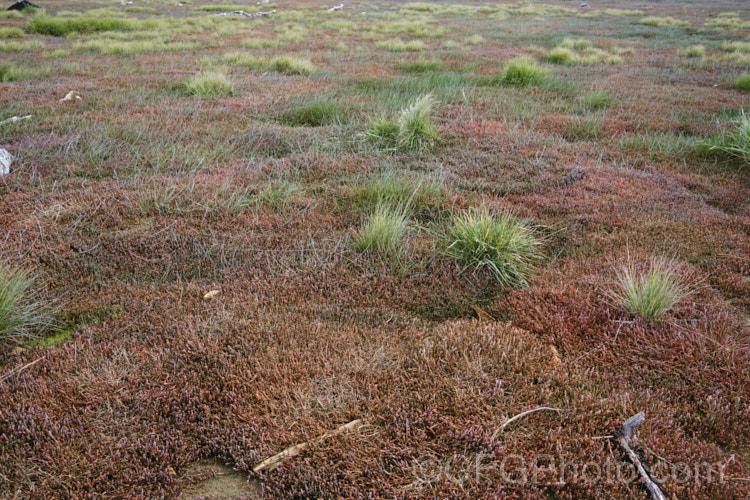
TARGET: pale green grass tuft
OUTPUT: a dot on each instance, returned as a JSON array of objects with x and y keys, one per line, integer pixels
[
  {"x": 209, "y": 85},
  {"x": 523, "y": 71},
  {"x": 743, "y": 82},
  {"x": 735, "y": 144},
  {"x": 596, "y": 100},
  {"x": 383, "y": 230},
  {"x": 419, "y": 192},
  {"x": 11, "y": 32},
  {"x": 664, "y": 22},
  {"x": 399, "y": 45},
  {"x": 22, "y": 316},
  {"x": 14, "y": 46},
  {"x": 577, "y": 51},
  {"x": 652, "y": 293},
  {"x": 284, "y": 64},
  {"x": 506, "y": 246},
  {"x": 693, "y": 51},
  {"x": 416, "y": 132}
]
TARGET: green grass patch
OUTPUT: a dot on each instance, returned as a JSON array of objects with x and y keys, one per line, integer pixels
[
  {"x": 421, "y": 193},
  {"x": 743, "y": 82},
  {"x": 43, "y": 24},
  {"x": 421, "y": 65},
  {"x": 11, "y": 32},
  {"x": 23, "y": 317},
  {"x": 595, "y": 100},
  {"x": 399, "y": 45},
  {"x": 651, "y": 293},
  {"x": 734, "y": 144},
  {"x": 14, "y": 46},
  {"x": 664, "y": 22},
  {"x": 694, "y": 51},
  {"x": 573, "y": 52},
  {"x": 208, "y": 85},
  {"x": 283, "y": 64},
  {"x": 316, "y": 112},
  {"x": 12, "y": 73},
  {"x": 499, "y": 242},
  {"x": 523, "y": 71},
  {"x": 383, "y": 231}
]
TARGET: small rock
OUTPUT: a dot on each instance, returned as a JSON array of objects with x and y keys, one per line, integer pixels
[{"x": 5, "y": 159}]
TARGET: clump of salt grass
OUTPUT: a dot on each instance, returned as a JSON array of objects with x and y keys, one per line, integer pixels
[
  {"x": 416, "y": 131},
  {"x": 523, "y": 71},
  {"x": 209, "y": 85},
  {"x": 664, "y": 22},
  {"x": 743, "y": 82},
  {"x": 651, "y": 293},
  {"x": 398, "y": 45},
  {"x": 383, "y": 230},
  {"x": 22, "y": 316},
  {"x": 693, "y": 51},
  {"x": 507, "y": 246},
  {"x": 735, "y": 144}
]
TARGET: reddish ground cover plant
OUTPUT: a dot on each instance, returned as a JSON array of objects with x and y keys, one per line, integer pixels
[{"x": 133, "y": 203}]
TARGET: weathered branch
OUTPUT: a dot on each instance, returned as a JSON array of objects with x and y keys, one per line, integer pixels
[
  {"x": 247, "y": 14},
  {"x": 625, "y": 438},
  {"x": 272, "y": 462}
]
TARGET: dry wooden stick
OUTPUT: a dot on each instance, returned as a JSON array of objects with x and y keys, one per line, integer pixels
[
  {"x": 19, "y": 369},
  {"x": 625, "y": 438},
  {"x": 272, "y": 462},
  {"x": 521, "y": 415}
]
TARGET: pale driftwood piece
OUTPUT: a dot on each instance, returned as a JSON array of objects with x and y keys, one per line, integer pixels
[
  {"x": 336, "y": 7},
  {"x": 625, "y": 438},
  {"x": 18, "y": 370},
  {"x": 14, "y": 119},
  {"x": 521, "y": 415},
  {"x": 272, "y": 462},
  {"x": 247, "y": 14}
]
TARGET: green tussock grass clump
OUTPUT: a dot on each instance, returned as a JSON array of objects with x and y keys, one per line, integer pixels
[
  {"x": 651, "y": 293},
  {"x": 422, "y": 65},
  {"x": 109, "y": 46},
  {"x": 595, "y": 100},
  {"x": 575, "y": 51},
  {"x": 729, "y": 20},
  {"x": 499, "y": 242},
  {"x": 664, "y": 22},
  {"x": 316, "y": 112},
  {"x": 14, "y": 46},
  {"x": 743, "y": 82},
  {"x": 283, "y": 64},
  {"x": 523, "y": 71},
  {"x": 208, "y": 85},
  {"x": 419, "y": 192},
  {"x": 11, "y": 32},
  {"x": 43, "y": 24},
  {"x": 734, "y": 144},
  {"x": 399, "y": 45},
  {"x": 12, "y": 73},
  {"x": 694, "y": 51},
  {"x": 383, "y": 230},
  {"x": 23, "y": 317},
  {"x": 414, "y": 129}
]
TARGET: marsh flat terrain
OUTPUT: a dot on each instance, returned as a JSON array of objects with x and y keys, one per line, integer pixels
[{"x": 226, "y": 235}]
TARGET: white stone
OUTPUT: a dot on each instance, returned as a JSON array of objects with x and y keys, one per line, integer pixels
[{"x": 5, "y": 159}]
